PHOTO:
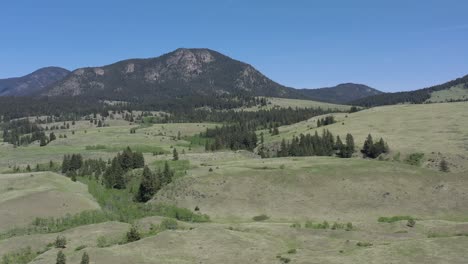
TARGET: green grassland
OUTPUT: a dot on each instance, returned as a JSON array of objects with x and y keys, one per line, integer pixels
[
  {"x": 26, "y": 196},
  {"x": 86, "y": 140},
  {"x": 296, "y": 195},
  {"x": 293, "y": 103},
  {"x": 458, "y": 92},
  {"x": 437, "y": 130}
]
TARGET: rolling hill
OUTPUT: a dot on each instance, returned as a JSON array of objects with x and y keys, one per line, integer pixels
[
  {"x": 418, "y": 96},
  {"x": 340, "y": 94},
  {"x": 33, "y": 82}
]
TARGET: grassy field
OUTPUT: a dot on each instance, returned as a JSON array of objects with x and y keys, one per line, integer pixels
[
  {"x": 261, "y": 210},
  {"x": 296, "y": 194},
  {"x": 26, "y": 196},
  {"x": 458, "y": 92},
  {"x": 437, "y": 130},
  {"x": 88, "y": 141},
  {"x": 285, "y": 103}
]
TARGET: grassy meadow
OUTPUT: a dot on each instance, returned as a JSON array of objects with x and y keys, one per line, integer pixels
[{"x": 276, "y": 210}]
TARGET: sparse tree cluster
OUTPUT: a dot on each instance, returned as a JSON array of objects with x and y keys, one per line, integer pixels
[
  {"x": 373, "y": 150},
  {"x": 328, "y": 120}
]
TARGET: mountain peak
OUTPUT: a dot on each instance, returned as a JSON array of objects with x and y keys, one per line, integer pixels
[{"x": 182, "y": 72}]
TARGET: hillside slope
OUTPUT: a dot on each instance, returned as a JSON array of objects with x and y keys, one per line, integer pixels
[
  {"x": 32, "y": 83},
  {"x": 340, "y": 94},
  {"x": 437, "y": 130},
  {"x": 415, "y": 97}
]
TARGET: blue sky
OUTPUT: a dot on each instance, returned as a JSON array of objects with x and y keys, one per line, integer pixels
[{"x": 390, "y": 45}]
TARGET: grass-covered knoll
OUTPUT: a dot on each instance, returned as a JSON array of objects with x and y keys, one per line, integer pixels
[
  {"x": 458, "y": 92},
  {"x": 293, "y": 103},
  {"x": 425, "y": 128},
  {"x": 317, "y": 188},
  {"x": 103, "y": 142},
  {"x": 23, "y": 197}
]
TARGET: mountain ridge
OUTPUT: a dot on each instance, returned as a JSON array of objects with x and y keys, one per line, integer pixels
[
  {"x": 32, "y": 82},
  {"x": 342, "y": 93}
]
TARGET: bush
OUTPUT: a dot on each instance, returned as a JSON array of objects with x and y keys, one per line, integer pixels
[
  {"x": 411, "y": 223},
  {"x": 133, "y": 235},
  {"x": 60, "y": 242},
  {"x": 292, "y": 251},
  {"x": 414, "y": 159},
  {"x": 363, "y": 244},
  {"x": 22, "y": 256},
  {"x": 261, "y": 217},
  {"x": 169, "y": 224},
  {"x": 393, "y": 219},
  {"x": 349, "y": 226},
  {"x": 80, "y": 247}
]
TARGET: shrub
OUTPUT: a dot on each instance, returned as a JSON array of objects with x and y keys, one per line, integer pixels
[
  {"x": 85, "y": 258},
  {"x": 363, "y": 244},
  {"x": 285, "y": 260},
  {"x": 393, "y": 219},
  {"x": 169, "y": 224},
  {"x": 411, "y": 223},
  {"x": 414, "y": 159},
  {"x": 349, "y": 226},
  {"x": 22, "y": 256},
  {"x": 296, "y": 225},
  {"x": 80, "y": 247},
  {"x": 292, "y": 251},
  {"x": 133, "y": 235},
  {"x": 60, "y": 242},
  {"x": 261, "y": 217}
]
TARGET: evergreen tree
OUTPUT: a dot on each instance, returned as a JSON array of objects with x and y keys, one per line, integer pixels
[
  {"x": 148, "y": 187},
  {"x": 61, "y": 259},
  {"x": 66, "y": 163},
  {"x": 367, "y": 149},
  {"x": 84, "y": 258},
  {"x": 52, "y": 136},
  {"x": 349, "y": 146},
  {"x": 175, "y": 155},
  {"x": 43, "y": 142}
]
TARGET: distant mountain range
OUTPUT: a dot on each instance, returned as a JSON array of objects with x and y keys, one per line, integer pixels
[
  {"x": 190, "y": 73},
  {"x": 340, "y": 94},
  {"x": 183, "y": 72},
  {"x": 33, "y": 82}
]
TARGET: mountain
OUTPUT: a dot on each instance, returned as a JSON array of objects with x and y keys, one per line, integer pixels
[
  {"x": 32, "y": 83},
  {"x": 340, "y": 94},
  {"x": 416, "y": 96},
  {"x": 181, "y": 73}
]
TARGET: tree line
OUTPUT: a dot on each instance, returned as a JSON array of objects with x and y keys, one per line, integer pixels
[{"x": 328, "y": 145}]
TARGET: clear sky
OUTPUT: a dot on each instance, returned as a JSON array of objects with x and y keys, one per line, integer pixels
[{"x": 390, "y": 45}]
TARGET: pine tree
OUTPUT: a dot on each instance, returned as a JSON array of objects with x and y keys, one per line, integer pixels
[
  {"x": 43, "y": 142},
  {"x": 349, "y": 146},
  {"x": 367, "y": 149},
  {"x": 148, "y": 187},
  {"x": 84, "y": 258},
  {"x": 65, "y": 163},
  {"x": 61, "y": 259},
  {"x": 52, "y": 136},
  {"x": 175, "y": 155}
]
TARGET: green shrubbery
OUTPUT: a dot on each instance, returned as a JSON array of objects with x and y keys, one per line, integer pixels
[
  {"x": 414, "y": 159},
  {"x": 393, "y": 219},
  {"x": 22, "y": 256},
  {"x": 261, "y": 217}
]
